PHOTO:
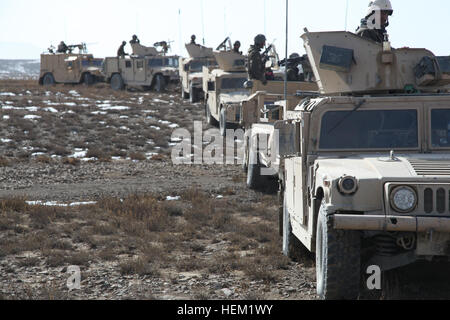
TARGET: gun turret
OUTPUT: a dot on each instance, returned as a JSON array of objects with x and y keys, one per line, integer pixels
[{"x": 81, "y": 47}]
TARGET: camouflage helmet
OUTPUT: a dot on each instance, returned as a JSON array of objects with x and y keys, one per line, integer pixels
[
  {"x": 237, "y": 44},
  {"x": 193, "y": 37},
  {"x": 260, "y": 39},
  {"x": 124, "y": 42},
  {"x": 294, "y": 56},
  {"x": 134, "y": 37}
]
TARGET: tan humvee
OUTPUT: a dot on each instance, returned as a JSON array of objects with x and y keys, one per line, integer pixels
[
  {"x": 366, "y": 165},
  {"x": 70, "y": 68},
  {"x": 146, "y": 67},
  {"x": 191, "y": 71},
  {"x": 258, "y": 116},
  {"x": 223, "y": 87}
]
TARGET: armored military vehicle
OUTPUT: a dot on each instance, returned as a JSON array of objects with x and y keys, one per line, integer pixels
[
  {"x": 146, "y": 67},
  {"x": 224, "y": 87},
  {"x": 258, "y": 116},
  {"x": 365, "y": 177},
  {"x": 70, "y": 67},
  {"x": 191, "y": 71}
]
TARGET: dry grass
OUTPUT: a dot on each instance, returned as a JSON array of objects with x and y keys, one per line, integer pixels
[{"x": 4, "y": 162}]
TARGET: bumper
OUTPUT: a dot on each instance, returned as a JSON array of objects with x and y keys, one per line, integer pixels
[{"x": 391, "y": 223}]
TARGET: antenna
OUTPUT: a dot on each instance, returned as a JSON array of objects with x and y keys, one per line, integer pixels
[
  {"x": 346, "y": 16},
  {"x": 265, "y": 18},
  {"x": 179, "y": 31},
  {"x": 287, "y": 33},
  {"x": 224, "y": 19},
  {"x": 203, "y": 23}
]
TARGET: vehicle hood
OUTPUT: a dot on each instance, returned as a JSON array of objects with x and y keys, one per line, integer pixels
[
  {"x": 381, "y": 167},
  {"x": 234, "y": 97}
]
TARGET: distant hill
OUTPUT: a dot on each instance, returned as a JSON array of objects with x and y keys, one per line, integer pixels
[{"x": 19, "y": 69}]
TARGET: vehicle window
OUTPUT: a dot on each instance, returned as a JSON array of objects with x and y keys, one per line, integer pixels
[
  {"x": 440, "y": 128},
  {"x": 127, "y": 64},
  {"x": 91, "y": 63},
  {"x": 371, "y": 129},
  {"x": 140, "y": 64},
  {"x": 233, "y": 83},
  {"x": 155, "y": 63},
  {"x": 197, "y": 66}
]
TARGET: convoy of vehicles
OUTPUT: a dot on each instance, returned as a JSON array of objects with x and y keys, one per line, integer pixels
[{"x": 361, "y": 155}]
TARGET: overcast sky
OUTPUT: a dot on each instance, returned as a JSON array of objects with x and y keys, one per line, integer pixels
[{"x": 29, "y": 27}]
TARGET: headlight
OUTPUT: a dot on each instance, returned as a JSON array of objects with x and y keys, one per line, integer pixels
[
  {"x": 403, "y": 199},
  {"x": 348, "y": 185}
]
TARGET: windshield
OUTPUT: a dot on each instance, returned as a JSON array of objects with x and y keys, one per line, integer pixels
[
  {"x": 171, "y": 62},
  {"x": 91, "y": 63},
  {"x": 233, "y": 83},
  {"x": 372, "y": 129},
  {"x": 440, "y": 128},
  {"x": 155, "y": 63}
]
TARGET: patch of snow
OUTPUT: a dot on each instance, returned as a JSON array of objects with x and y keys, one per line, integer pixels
[
  {"x": 169, "y": 198},
  {"x": 9, "y": 94},
  {"x": 5, "y": 140},
  {"x": 32, "y": 117},
  {"x": 160, "y": 101},
  {"x": 50, "y": 109},
  {"x": 118, "y": 108},
  {"x": 156, "y": 128},
  {"x": 6, "y": 117},
  {"x": 70, "y": 104}
]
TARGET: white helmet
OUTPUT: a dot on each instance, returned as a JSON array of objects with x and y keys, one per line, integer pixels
[{"x": 380, "y": 5}]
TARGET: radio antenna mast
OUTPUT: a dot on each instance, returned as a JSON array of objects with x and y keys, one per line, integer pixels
[
  {"x": 203, "y": 23},
  {"x": 287, "y": 34},
  {"x": 346, "y": 15}
]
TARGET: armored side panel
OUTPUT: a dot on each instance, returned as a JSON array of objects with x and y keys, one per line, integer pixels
[
  {"x": 111, "y": 66},
  {"x": 343, "y": 62},
  {"x": 199, "y": 51},
  {"x": 277, "y": 87},
  {"x": 140, "y": 50},
  {"x": 230, "y": 61}
]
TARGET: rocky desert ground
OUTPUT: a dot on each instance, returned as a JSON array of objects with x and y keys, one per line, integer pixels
[{"x": 87, "y": 180}]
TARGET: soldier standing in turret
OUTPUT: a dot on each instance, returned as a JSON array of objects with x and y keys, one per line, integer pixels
[
  {"x": 236, "y": 47},
  {"x": 255, "y": 63},
  {"x": 121, "y": 52},
  {"x": 62, "y": 47},
  {"x": 193, "y": 37},
  {"x": 135, "y": 40},
  {"x": 373, "y": 26}
]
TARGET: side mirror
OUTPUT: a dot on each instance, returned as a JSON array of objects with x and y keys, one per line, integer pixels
[{"x": 248, "y": 84}]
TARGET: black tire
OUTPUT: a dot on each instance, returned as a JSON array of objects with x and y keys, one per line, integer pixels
[
  {"x": 246, "y": 148},
  {"x": 254, "y": 179},
  {"x": 88, "y": 79},
  {"x": 223, "y": 122},
  {"x": 48, "y": 80},
  {"x": 338, "y": 259},
  {"x": 160, "y": 83},
  {"x": 117, "y": 82},
  {"x": 292, "y": 247},
  {"x": 184, "y": 95},
  {"x": 209, "y": 118},
  {"x": 193, "y": 94}
]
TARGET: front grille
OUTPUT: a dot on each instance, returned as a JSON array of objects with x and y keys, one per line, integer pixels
[
  {"x": 436, "y": 200},
  {"x": 430, "y": 167},
  {"x": 433, "y": 199}
]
